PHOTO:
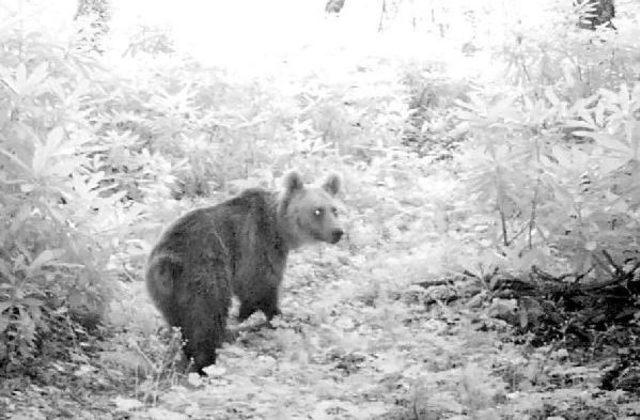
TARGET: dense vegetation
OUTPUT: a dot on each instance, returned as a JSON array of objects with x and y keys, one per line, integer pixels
[{"x": 491, "y": 267}]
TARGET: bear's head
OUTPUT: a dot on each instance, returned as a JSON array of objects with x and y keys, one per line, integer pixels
[{"x": 309, "y": 213}]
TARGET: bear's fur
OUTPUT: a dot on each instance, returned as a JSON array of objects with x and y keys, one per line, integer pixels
[{"x": 237, "y": 247}]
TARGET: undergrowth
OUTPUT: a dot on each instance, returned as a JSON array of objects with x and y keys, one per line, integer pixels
[{"x": 445, "y": 179}]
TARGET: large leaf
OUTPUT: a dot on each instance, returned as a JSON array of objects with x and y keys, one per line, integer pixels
[{"x": 45, "y": 257}]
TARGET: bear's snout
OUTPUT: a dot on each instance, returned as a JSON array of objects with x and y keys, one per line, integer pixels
[{"x": 336, "y": 235}]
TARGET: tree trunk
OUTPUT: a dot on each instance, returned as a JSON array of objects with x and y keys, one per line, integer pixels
[
  {"x": 334, "y": 6},
  {"x": 97, "y": 14},
  {"x": 594, "y": 13}
]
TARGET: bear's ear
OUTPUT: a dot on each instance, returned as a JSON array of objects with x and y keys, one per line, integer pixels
[
  {"x": 293, "y": 182},
  {"x": 332, "y": 184}
]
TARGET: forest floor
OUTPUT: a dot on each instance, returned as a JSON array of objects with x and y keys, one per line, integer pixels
[
  {"x": 366, "y": 338},
  {"x": 362, "y": 336}
]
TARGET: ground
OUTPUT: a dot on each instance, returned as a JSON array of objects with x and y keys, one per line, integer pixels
[{"x": 361, "y": 337}]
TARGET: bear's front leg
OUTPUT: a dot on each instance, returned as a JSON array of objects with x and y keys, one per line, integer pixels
[
  {"x": 269, "y": 303},
  {"x": 246, "y": 310}
]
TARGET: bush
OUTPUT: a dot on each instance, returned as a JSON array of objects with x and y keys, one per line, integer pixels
[
  {"x": 555, "y": 161},
  {"x": 59, "y": 216},
  {"x": 94, "y": 157}
]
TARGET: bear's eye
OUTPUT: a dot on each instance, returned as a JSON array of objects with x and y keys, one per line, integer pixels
[
  {"x": 334, "y": 211},
  {"x": 318, "y": 212}
]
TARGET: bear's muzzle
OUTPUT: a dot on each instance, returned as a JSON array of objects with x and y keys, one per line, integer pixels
[{"x": 336, "y": 235}]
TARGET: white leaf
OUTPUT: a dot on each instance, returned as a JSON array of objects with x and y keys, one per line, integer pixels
[
  {"x": 38, "y": 75},
  {"x": 20, "y": 79},
  {"x": 194, "y": 379},
  {"x": 45, "y": 256},
  {"x": 214, "y": 370},
  {"x": 126, "y": 404},
  {"x": 54, "y": 138}
]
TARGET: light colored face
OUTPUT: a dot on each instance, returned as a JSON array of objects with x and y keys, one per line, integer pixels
[
  {"x": 311, "y": 212},
  {"x": 315, "y": 215}
]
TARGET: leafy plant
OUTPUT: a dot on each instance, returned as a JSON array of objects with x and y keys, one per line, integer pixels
[
  {"x": 548, "y": 192},
  {"x": 59, "y": 217}
]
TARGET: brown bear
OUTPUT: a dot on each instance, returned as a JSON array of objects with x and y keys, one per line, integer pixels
[{"x": 237, "y": 247}]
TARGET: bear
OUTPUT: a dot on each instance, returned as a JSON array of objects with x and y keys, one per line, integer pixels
[{"x": 238, "y": 247}]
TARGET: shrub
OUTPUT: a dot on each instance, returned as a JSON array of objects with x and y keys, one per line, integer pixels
[
  {"x": 547, "y": 192},
  {"x": 60, "y": 216}
]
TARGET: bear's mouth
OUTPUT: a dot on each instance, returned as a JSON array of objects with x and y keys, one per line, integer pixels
[{"x": 318, "y": 236}]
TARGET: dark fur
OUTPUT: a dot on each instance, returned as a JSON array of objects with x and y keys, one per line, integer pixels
[{"x": 239, "y": 246}]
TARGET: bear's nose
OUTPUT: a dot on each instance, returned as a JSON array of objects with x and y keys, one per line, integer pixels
[{"x": 336, "y": 235}]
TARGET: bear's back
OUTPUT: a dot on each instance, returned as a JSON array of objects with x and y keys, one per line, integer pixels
[{"x": 222, "y": 225}]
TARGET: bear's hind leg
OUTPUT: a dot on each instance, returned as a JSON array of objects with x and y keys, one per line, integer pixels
[
  {"x": 207, "y": 326},
  {"x": 201, "y": 348}
]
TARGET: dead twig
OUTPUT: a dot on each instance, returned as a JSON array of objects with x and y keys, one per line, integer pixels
[{"x": 618, "y": 270}]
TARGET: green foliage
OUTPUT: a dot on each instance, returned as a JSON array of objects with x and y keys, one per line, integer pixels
[
  {"x": 432, "y": 129},
  {"x": 216, "y": 132},
  {"x": 557, "y": 169},
  {"x": 577, "y": 62},
  {"x": 58, "y": 214},
  {"x": 93, "y": 158}
]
